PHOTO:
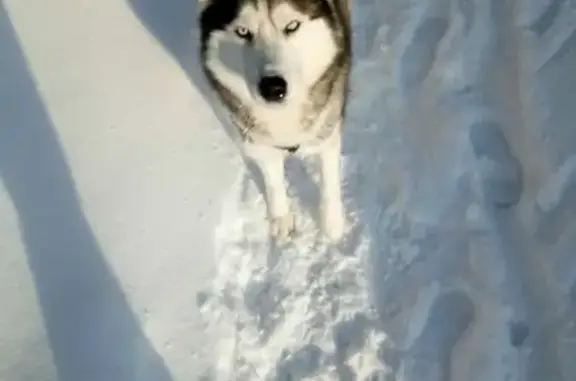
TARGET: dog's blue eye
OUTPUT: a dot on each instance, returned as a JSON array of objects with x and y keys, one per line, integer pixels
[
  {"x": 292, "y": 27},
  {"x": 243, "y": 33}
]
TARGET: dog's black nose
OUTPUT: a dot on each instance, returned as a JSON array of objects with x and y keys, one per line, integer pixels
[{"x": 273, "y": 88}]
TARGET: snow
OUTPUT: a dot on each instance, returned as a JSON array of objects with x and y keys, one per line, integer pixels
[
  {"x": 112, "y": 168},
  {"x": 133, "y": 237}
]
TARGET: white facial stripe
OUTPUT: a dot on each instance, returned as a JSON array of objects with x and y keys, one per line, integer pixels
[
  {"x": 283, "y": 14},
  {"x": 246, "y": 18}
]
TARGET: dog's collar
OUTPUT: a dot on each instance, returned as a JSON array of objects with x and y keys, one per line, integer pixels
[{"x": 290, "y": 150}]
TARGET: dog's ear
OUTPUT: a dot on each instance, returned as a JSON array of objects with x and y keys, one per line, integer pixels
[
  {"x": 341, "y": 4},
  {"x": 341, "y": 8},
  {"x": 202, "y": 4}
]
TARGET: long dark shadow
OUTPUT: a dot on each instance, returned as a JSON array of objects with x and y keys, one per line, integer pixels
[
  {"x": 92, "y": 332},
  {"x": 174, "y": 24}
]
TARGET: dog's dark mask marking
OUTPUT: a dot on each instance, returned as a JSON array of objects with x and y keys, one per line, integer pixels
[
  {"x": 217, "y": 15},
  {"x": 313, "y": 9}
]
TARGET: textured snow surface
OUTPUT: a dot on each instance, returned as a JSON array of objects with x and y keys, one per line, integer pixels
[
  {"x": 133, "y": 240},
  {"x": 460, "y": 183}
]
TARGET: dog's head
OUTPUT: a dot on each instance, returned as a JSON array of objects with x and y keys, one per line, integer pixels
[{"x": 268, "y": 52}]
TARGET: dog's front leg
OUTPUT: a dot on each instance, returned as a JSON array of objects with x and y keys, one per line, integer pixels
[
  {"x": 271, "y": 164},
  {"x": 332, "y": 209}
]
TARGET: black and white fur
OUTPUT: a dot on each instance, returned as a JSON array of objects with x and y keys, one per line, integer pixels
[{"x": 281, "y": 68}]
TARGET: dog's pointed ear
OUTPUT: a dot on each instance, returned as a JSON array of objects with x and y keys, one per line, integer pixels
[
  {"x": 341, "y": 7},
  {"x": 202, "y": 4}
]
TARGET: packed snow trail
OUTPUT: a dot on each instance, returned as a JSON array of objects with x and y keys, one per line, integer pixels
[{"x": 459, "y": 181}]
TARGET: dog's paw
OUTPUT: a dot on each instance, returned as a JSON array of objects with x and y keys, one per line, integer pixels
[
  {"x": 333, "y": 224},
  {"x": 282, "y": 228}
]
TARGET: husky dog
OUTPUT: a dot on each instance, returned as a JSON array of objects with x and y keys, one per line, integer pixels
[{"x": 281, "y": 68}]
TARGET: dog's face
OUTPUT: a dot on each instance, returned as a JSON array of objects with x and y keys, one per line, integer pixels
[{"x": 268, "y": 52}]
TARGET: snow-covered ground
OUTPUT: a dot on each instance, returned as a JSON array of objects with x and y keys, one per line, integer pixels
[
  {"x": 112, "y": 171},
  {"x": 133, "y": 240}
]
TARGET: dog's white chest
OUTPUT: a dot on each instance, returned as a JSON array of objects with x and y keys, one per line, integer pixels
[{"x": 281, "y": 127}]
